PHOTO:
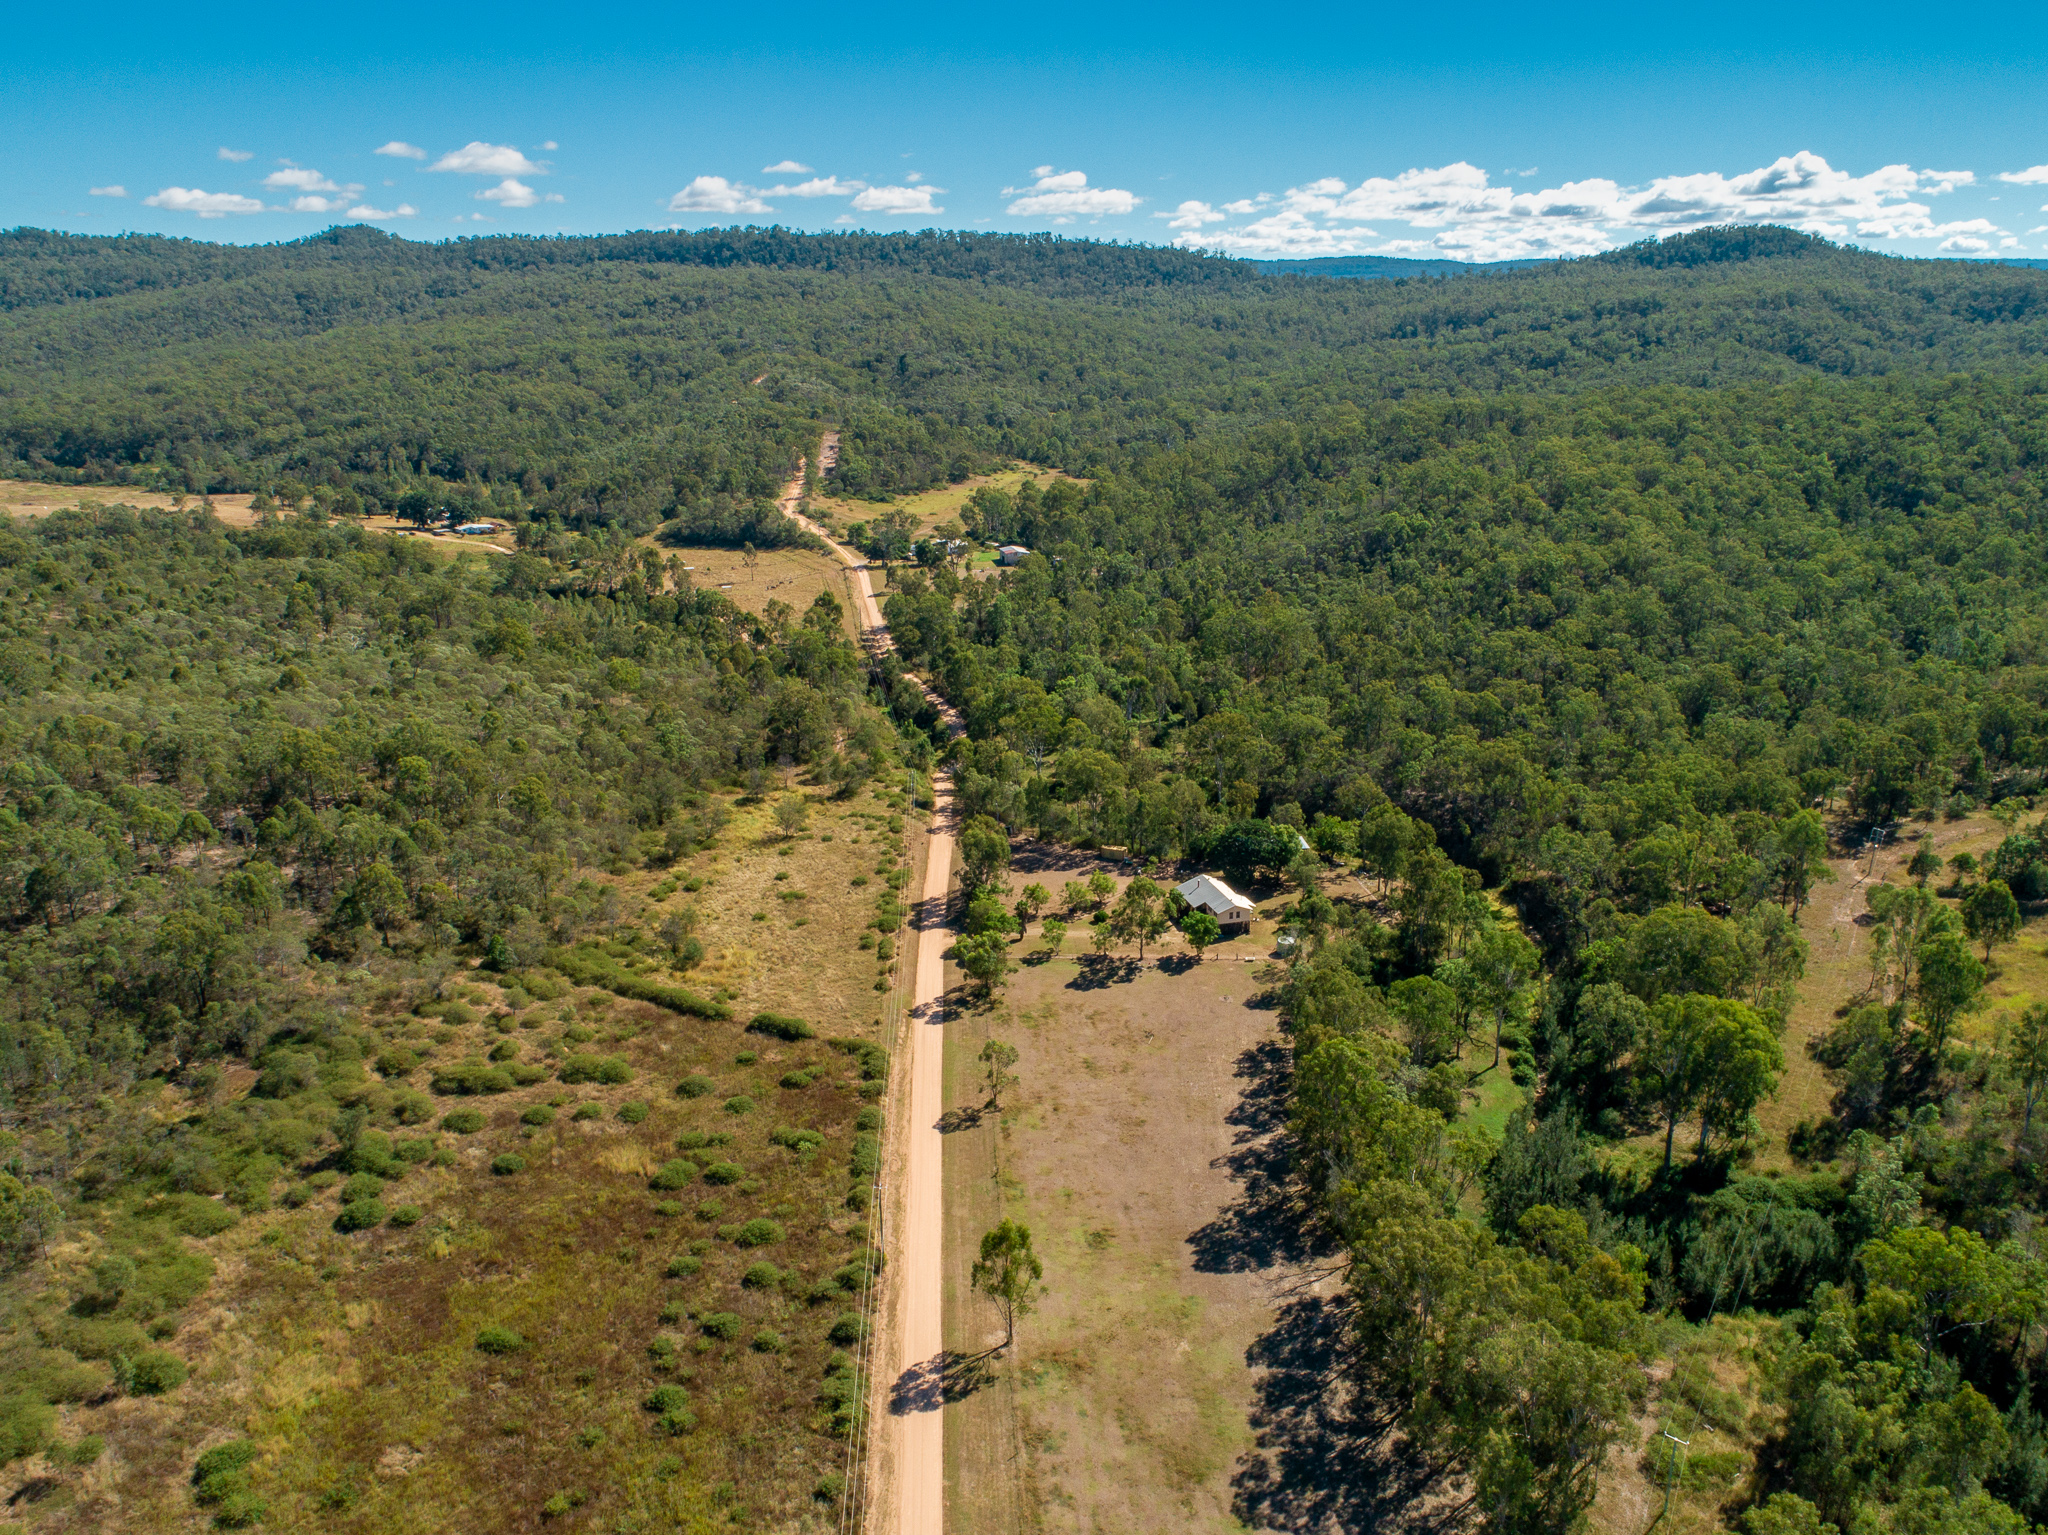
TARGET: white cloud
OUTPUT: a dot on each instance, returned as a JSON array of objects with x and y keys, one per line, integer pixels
[
  {"x": 510, "y": 193},
  {"x": 374, "y": 215},
  {"x": 113, "y": 191},
  {"x": 208, "y": 205},
  {"x": 317, "y": 204},
  {"x": 236, "y": 155},
  {"x": 1512, "y": 172},
  {"x": 914, "y": 176},
  {"x": 2032, "y": 177},
  {"x": 303, "y": 180},
  {"x": 714, "y": 194},
  {"x": 818, "y": 186},
  {"x": 549, "y": 145},
  {"x": 785, "y": 168},
  {"x": 477, "y": 158},
  {"x": 1067, "y": 195},
  {"x": 398, "y": 149},
  {"x": 899, "y": 200},
  {"x": 1474, "y": 220},
  {"x": 1192, "y": 215},
  {"x": 1966, "y": 245},
  {"x": 844, "y": 218}
]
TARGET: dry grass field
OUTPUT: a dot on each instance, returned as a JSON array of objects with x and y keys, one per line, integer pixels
[{"x": 351, "y": 1360}]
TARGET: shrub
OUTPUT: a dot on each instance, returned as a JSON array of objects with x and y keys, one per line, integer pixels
[
  {"x": 576, "y": 1034},
  {"x": 25, "y": 1425},
  {"x": 724, "y": 1172},
  {"x": 526, "y": 1076},
  {"x": 767, "y": 1341},
  {"x": 710, "y": 1210},
  {"x": 361, "y": 1186},
  {"x": 505, "y": 1164},
  {"x": 694, "y": 1086},
  {"x": 223, "y": 1460},
  {"x": 684, "y": 1265},
  {"x": 668, "y": 1207},
  {"x": 759, "y": 1232},
  {"x": 588, "y": 1111},
  {"x": 633, "y": 1113},
  {"x": 867, "y": 1155},
  {"x": 849, "y": 1328},
  {"x": 796, "y": 1080},
  {"x": 539, "y": 1114},
  {"x": 830, "y": 1486},
  {"x": 397, "y": 1062},
  {"x": 697, "y": 1140},
  {"x": 677, "y": 1174},
  {"x": 413, "y": 1149},
  {"x": 407, "y": 1215},
  {"x": 666, "y": 1399},
  {"x": 239, "y": 1511},
  {"x": 608, "y": 1069},
  {"x": 872, "y": 1058},
  {"x": 762, "y": 1276},
  {"x": 745, "y": 1058},
  {"x": 498, "y": 1340},
  {"x": 360, "y": 1215},
  {"x": 741, "y": 1104},
  {"x": 462, "y": 1122},
  {"x": 155, "y": 1371},
  {"x": 505, "y": 1050},
  {"x": 869, "y": 1118},
  {"x": 469, "y": 1078},
  {"x": 86, "y": 1451},
  {"x": 591, "y": 966},
  {"x": 720, "y": 1324},
  {"x": 371, "y": 1153},
  {"x": 782, "y": 1026},
  {"x": 799, "y": 1141}
]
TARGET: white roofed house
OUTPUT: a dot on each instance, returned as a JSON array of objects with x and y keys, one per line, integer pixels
[{"x": 1207, "y": 893}]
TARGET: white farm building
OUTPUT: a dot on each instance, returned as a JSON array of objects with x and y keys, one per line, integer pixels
[{"x": 1207, "y": 893}]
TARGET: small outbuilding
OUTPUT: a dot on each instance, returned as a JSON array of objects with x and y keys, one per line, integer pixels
[
  {"x": 474, "y": 529},
  {"x": 1011, "y": 554},
  {"x": 1207, "y": 893}
]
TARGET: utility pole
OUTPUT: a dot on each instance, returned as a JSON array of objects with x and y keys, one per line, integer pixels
[{"x": 1671, "y": 1470}]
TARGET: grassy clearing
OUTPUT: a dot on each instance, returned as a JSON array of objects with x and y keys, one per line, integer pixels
[
  {"x": 793, "y": 577},
  {"x": 932, "y": 507},
  {"x": 1127, "y": 1400},
  {"x": 352, "y": 1360}
]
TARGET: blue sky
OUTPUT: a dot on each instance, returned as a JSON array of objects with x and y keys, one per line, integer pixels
[{"x": 1476, "y": 132}]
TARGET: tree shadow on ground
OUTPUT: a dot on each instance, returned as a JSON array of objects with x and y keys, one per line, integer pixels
[
  {"x": 1267, "y": 1223},
  {"x": 967, "y": 1117},
  {"x": 1095, "y": 971},
  {"x": 948, "y": 1376},
  {"x": 1329, "y": 1457}
]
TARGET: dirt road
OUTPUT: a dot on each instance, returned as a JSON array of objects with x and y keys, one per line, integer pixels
[
  {"x": 907, "y": 1475},
  {"x": 792, "y": 497}
]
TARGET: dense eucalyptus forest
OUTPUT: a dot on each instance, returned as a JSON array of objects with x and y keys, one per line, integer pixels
[{"x": 1586, "y": 610}]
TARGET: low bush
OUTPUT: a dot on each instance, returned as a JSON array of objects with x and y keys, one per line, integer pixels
[
  {"x": 867, "y": 1156},
  {"x": 694, "y": 1087},
  {"x": 469, "y": 1078},
  {"x": 633, "y": 1112},
  {"x": 798, "y": 1140},
  {"x": 498, "y": 1340},
  {"x": 361, "y": 1186},
  {"x": 588, "y": 1111},
  {"x": 796, "y": 1081},
  {"x": 407, "y": 1215},
  {"x": 539, "y": 1114},
  {"x": 849, "y": 1328},
  {"x": 668, "y": 1207},
  {"x": 525, "y": 1076},
  {"x": 697, "y": 1140},
  {"x": 872, "y": 1059},
  {"x": 720, "y": 1324},
  {"x": 782, "y": 1026},
  {"x": 869, "y": 1118},
  {"x": 724, "y": 1172},
  {"x": 741, "y": 1104},
  {"x": 665, "y": 1399},
  {"x": 762, "y": 1276},
  {"x": 710, "y": 1210},
  {"x": 397, "y": 1062},
  {"x": 677, "y": 1174},
  {"x": 505, "y": 1050},
  {"x": 218, "y": 1472},
  {"x": 768, "y": 1341},
  {"x": 608, "y": 1069},
  {"x": 684, "y": 1265},
  {"x": 588, "y": 965},
  {"x": 462, "y": 1122},
  {"x": 505, "y": 1164},
  {"x": 759, "y": 1232},
  {"x": 360, "y": 1215},
  {"x": 155, "y": 1371}
]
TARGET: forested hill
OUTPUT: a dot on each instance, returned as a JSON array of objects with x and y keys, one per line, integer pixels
[{"x": 619, "y": 378}]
